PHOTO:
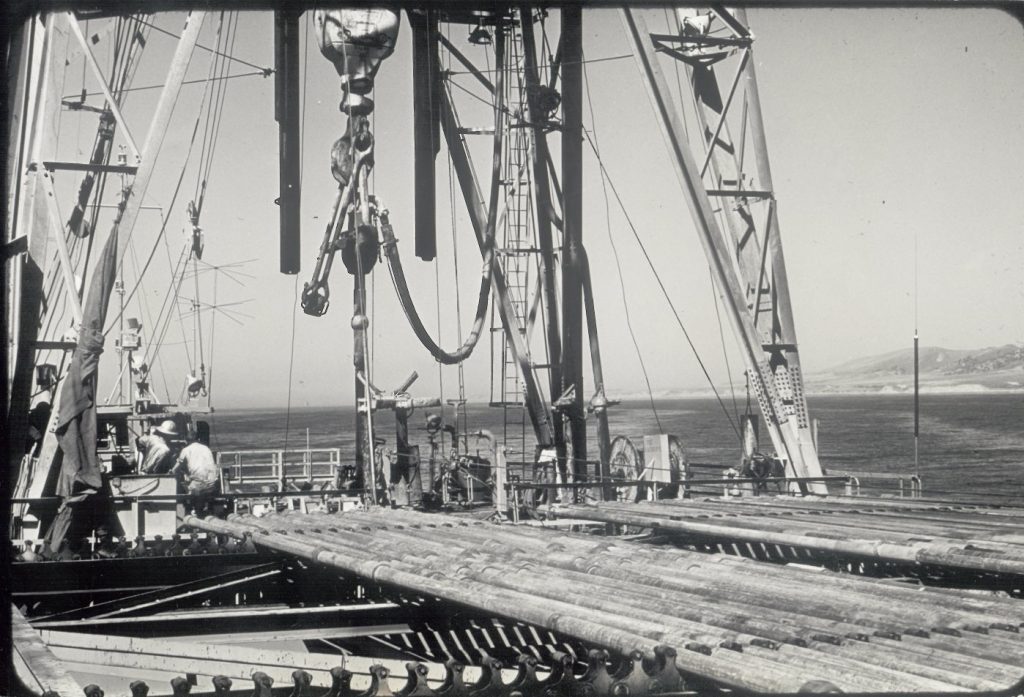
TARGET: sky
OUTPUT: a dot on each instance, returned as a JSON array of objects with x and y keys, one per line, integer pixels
[{"x": 895, "y": 141}]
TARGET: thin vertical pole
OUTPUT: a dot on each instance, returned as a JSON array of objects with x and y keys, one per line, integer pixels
[{"x": 917, "y": 412}]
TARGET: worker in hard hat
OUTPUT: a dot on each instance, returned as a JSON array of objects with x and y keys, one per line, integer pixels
[{"x": 157, "y": 455}]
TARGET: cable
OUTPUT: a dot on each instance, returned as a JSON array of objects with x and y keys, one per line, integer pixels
[
  {"x": 544, "y": 66},
  {"x": 291, "y": 364},
  {"x": 721, "y": 336},
  {"x": 266, "y": 71},
  {"x": 618, "y": 265},
  {"x": 661, "y": 285}
]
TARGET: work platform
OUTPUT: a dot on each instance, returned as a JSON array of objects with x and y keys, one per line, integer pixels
[{"x": 710, "y": 620}]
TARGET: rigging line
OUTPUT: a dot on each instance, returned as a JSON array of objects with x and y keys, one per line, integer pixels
[
  {"x": 721, "y": 337},
  {"x": 206, "y": 89},
  {"x": 198, "y": 331},
  {"x": 162, "y": 323},
  {"x": 548, "y": 65},
  {"x": 618, "y": 264},
  {"x": 172, "y": 302},
  {"x": 664, "y": 290},
  {"x": 177, "y": 303},
  {"x": 265, "y": 71},
  {"x": 196, "y": 81},
  {"x": 291, "y": 365},
  {"x": 473, "y": 95},
  {"x": 166, "y": 219},
  {"x": 222, "y": 97}
]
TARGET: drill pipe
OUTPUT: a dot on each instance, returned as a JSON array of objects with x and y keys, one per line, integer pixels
[
  {"x": 746, "y": 673},
  {"x": 894, "y": 524},
  {"x": 698, "y": 593},
  {"x": 837, "y": 615},
  {"x": 369, "y": 526},
  {"x": 844, "y": 524},
  {"x": 933, "y": 554},
  {"x": 903, "y": 506},
  {"x": 525, "y": 538},
  {"x": 674, "y": 562}
]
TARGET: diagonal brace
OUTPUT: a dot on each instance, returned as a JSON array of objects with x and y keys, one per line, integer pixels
[{"x": 98, "y": 74}]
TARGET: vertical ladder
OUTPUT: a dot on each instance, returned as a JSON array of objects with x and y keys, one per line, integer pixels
[{"x": 516, "y": 252}]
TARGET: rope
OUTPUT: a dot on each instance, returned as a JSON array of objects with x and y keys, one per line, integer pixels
[
  {"x": 721, "y": 337},
  {"x": 265, "y": 71},
  {"x": 291, "y": 364},
  {"x": 618, "y": 265},
  {"x": 661, "y": 285}
]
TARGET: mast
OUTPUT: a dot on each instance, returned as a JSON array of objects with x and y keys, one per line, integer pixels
[{"x": 739, "y": 230}]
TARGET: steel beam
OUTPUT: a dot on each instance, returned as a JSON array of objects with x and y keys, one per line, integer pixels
[
  {"x": 572, "y": 227},
  {"x": 98, "y": 74},
  {"x": 540, "y": 155},
  {"x": 783, "y": 428}
]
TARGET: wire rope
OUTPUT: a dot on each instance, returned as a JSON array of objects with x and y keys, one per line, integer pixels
[
  {"x": 721, "y": 337},
  {"x": 618, "y": 264},
  {"x": 661, "y": 285},
  {"x": 291, "y": 364}
]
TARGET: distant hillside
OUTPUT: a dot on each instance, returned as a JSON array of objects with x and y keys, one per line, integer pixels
[{"x": 941, "y": 370}]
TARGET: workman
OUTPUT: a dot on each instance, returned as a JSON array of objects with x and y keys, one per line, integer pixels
[
  {"x": 198, "y": 468},
  {"x": 156, "y": 451}
]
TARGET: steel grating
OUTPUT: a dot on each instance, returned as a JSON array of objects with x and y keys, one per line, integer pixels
[{"x": 729, "y": 621}]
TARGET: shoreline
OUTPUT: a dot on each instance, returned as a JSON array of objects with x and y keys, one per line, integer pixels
[{"x": 704, "y": 394}]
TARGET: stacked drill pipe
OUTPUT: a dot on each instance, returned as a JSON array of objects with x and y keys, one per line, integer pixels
[
  {"x": 732, "y": 621},
  {"x": 903, "y": 540}
]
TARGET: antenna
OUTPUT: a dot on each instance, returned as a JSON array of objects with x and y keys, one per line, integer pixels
[{"x": 917, "y": 409}]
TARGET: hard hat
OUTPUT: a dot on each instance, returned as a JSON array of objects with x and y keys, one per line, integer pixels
[{"x": 168, "y": 428}]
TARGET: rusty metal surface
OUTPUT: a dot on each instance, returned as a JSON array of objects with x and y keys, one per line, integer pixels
[{"x": 728, "y": 621}]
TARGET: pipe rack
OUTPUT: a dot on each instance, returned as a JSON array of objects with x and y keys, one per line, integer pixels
[{"x": 735, "y": 622}]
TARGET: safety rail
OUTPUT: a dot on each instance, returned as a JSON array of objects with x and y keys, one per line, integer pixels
[
  {"x": 253, "y": 471},
  {"x": 907, "y": 484}
]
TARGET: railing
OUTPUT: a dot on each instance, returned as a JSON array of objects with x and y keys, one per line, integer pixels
[
  {"x": 906, "y": 484},
  {"x": 277, "y": 470}
]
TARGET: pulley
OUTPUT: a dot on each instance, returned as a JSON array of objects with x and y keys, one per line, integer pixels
[
  {"x": 356, "y": 41},
  {"x": 625, "y": 464}
]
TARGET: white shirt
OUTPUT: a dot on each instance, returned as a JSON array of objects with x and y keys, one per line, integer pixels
[{"x": 198, "y": 463}]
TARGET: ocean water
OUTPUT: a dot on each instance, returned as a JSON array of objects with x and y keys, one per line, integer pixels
[{"x": 969, "y": 444}]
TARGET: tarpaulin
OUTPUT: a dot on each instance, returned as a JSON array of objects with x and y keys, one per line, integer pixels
[{"x": 76, "y": 420}]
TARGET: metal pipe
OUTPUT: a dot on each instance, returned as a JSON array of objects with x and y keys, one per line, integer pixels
[
  {"x": 710, "y": 599},
  {"x": 572, "y": 225},
  {"x": 540, "y": 157},
  {"x": 426, "y": 89},
  {"x": 288, "y": 112},
  {"x": 918, "y": 554}
]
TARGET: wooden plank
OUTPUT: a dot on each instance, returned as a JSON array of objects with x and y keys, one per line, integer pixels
[
  {"x": 38, "y": 666},
  {"x": 299, "y": 634},
  {"x": 259, "y": 612},
  {"x": 182, "y": 657}
]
